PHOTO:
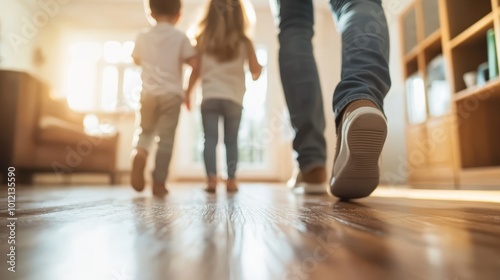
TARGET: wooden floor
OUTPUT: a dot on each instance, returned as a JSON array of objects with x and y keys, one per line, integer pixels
[{"x": 262, "y": 232}]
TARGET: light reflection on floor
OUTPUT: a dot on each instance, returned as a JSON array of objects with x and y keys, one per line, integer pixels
[{"x": 458, "y": 195}]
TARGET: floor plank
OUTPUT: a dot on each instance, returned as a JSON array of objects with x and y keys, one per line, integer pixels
[{"x": 262, "y": 232}]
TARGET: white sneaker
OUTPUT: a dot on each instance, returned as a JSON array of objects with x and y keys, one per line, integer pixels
[{"x": 313, "y": 182}]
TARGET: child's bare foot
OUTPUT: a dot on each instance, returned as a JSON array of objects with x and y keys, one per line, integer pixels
[
  {"x": 231, "y": 185},
  {"x": 159, "y": 190},
  {"x": 211, "y": 186},
  {"x": 138, "y": 166}
]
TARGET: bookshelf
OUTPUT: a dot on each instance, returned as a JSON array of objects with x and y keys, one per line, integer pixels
[{"x": 453, "y": 130}]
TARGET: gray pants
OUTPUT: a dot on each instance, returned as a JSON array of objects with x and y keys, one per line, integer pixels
[
  {"x": 159, "y": 117},
  {"x": 211, "y": 111}
]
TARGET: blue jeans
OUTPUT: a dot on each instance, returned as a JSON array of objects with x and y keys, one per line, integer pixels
[
  {"x": 365, "y": 69},
  {"x": 211, "y": 111}
]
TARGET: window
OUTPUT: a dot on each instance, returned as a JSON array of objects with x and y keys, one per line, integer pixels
[
  {"x": 102, "y": 77},
  {"x": 254, "y": 118}
]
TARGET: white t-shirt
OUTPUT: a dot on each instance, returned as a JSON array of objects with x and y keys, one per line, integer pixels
[
  {"x": 224, "y": 80},
  {"x": 162, "y": 50}
]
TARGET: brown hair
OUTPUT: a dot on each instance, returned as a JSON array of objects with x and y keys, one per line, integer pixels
[
  {"x": 222, "y": 29},
  {"x": 165, "y": 7}
]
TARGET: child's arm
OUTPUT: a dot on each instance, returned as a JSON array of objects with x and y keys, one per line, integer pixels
[
  {"x": 194, "y": 62},
  {"x": 253, "y": 63},
  {"x": 137, "y": 61},
  {"x": 136, "y": 52}
]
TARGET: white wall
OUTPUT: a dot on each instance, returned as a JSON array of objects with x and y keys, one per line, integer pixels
[
  {"x": 25, "y": 29},
  {"x": 56, "y": 35},
  {"x": 394, "y": 104},
  {"x": 16, "y": 40}
]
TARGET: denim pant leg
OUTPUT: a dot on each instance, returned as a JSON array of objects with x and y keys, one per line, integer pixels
[
  {"x": 299, "y": 76},
  {"x": 365, "y": 53},
  {"x": 169, "y": 107},
  {"x": 210, "y": 113},
  {"x": 232, "y": 118}
]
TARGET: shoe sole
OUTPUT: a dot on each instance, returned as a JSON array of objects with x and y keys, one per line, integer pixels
[
  {"x": 310, "y": 188},
  {"x": 356, "y": 168},
  {"x": 137, "y": 180}
]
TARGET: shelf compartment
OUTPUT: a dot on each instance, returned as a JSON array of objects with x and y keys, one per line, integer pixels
[
  {"x": 478, "y": 120},
  {"x": 432, "y": 40},
  {"x": 411, "y": 66},
  {"x": 491, "y": 87},
  {"x": 416, "y": 103},
  {"x": 472, "y": 33},
  {"x": 439, "y": 96},
  {"x": 468, "y": 55},
  {"x": 432, "y": 46},
  {"x": 440, "y": 147},
  {"x": 409, "y": 29},
  {"x": 430, "y": 153},
  {"x": 437, "y": 87},
  {"x": 479, "y": 178},
  {"x": 432, "y": 178},
  {"x": 464, "y": 13},
  {"x": 430, "y": 10},
  {"x": 412, "y": 55},
  {"x": 416, "y": 148}
]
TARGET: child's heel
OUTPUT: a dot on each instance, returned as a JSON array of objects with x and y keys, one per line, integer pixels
[
  {"x": 138, "y": 166},
  {"x": 211, "y": 186},
  {"x": 231, "y": 185}
]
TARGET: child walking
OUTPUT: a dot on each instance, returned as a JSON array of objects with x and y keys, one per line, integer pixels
[
  {"x": 161, "y": 52},
  {"x": 224, "y": 49}
]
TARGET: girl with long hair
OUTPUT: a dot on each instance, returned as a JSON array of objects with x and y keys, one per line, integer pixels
[{"x": 224, "y": 48}]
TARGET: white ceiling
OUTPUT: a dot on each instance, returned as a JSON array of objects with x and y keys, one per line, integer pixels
[
  {"x": 33, "y": 2},
  {"x": 118, "y": 13}
]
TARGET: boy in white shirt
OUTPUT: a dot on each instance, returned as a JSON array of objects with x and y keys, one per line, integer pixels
[{"x": 161, "y": 52}]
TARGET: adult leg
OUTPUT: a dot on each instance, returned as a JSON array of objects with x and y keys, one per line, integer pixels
[
  {"x": 358, "y": 98},
  {"x": 365, "y": 53},
  {"x": 168, "y": 111},
  {"x": 299, "y": 76},
  {"x": 300, "y": 79},
  {"x": 210, "y": 112}
]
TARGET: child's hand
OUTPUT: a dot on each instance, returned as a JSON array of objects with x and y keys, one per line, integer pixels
[
  {"x": 187, "y": 101},
  {"x": 256, "y": 74}
]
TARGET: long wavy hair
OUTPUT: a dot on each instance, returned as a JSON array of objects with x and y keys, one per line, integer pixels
[{"x": 222, "y": 29}]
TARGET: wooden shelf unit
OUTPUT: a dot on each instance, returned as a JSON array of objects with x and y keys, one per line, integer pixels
[
  {"x": 473, "y": 32},
  {"x": 459, "y": 148}
]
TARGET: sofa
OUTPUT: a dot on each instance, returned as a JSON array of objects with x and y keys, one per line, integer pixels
[{"x": 42, "y": 134}]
